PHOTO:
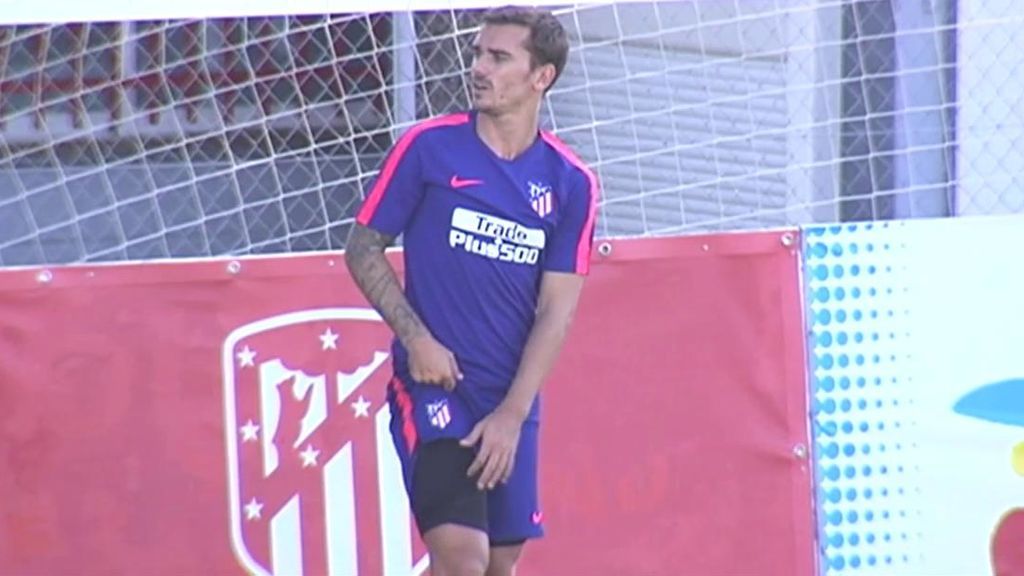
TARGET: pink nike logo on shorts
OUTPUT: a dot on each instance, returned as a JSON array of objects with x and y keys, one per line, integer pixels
[
  {"x": 537, "y": 517},
  {"x": 457, "y": 182}
]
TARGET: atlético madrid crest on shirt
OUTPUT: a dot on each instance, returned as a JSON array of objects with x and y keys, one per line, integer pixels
[
  {"x": 314, "y": 486},
  {"x": 541, "y": 199}
]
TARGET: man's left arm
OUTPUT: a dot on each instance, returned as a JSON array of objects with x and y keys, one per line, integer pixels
[
  {"x": 559, "y": 293},
  {"x": 566, "y": 263},
  {"x": 498, "y": 433}
]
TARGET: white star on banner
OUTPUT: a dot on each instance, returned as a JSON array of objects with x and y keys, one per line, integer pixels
[
  {"x": 329, "y": 340},
  {"x": 246, "y": 357},
  {"x": 253, "y": 510},
  {"x": 362, "y": 407},
  {"x": 250, "y": 431},
  {"x": 309, "y": 456}
]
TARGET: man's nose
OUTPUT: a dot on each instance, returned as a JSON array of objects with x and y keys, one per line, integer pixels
[{"x": 479, "y": 69}]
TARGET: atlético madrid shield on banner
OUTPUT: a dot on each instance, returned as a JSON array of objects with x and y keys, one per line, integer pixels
[{"x": 314, "y": 485}]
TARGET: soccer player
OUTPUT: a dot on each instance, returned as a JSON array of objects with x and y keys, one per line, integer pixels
[{"x": 498, "y": 220}]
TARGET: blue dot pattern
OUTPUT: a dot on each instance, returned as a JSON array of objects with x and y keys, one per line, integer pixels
[{"x": 858, "y": 317}]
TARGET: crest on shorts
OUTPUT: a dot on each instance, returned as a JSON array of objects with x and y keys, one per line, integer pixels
[
  {"x": 541, "y": 199},
  {"x": 439, "y": 414},
  {"x": 314, "y": 485}
]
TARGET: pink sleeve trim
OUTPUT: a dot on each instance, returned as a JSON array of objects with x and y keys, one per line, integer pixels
[
  {"x": 584, "y": 244},
  {"x": 387, "y": 173}
]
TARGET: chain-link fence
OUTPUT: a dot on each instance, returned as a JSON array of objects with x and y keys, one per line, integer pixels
[{"x": 154, "y": 139}]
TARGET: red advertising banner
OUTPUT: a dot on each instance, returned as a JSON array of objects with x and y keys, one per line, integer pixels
[{"x": 228, "y": 417}]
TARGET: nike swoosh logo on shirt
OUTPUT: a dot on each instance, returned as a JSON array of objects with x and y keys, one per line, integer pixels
[{"x": 457, "y": 182}]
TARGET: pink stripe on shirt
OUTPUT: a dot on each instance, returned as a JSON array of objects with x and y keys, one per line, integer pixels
[
  {"x": 583, "y": 247},
  {"x": 373, "y": 199}
]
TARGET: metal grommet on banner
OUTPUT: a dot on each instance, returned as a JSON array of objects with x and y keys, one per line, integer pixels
[
  {"x": 604, "y": 249},
  {"x": 44, "y": 277},
  {"x": 800, "y": 451},
  {"x": 234, "y": 267},
  {"x": 787, "y": 239}
]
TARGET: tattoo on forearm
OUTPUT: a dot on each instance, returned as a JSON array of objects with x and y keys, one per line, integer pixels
[{"x": 364, "y": 254}]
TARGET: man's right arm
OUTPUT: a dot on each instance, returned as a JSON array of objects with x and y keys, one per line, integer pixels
[
  {"x": 429, "y": 361},
  {"x": 364, "y": 255}
]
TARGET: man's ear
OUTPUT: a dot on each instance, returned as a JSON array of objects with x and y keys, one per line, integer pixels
[{"x": 543, "y": 77}]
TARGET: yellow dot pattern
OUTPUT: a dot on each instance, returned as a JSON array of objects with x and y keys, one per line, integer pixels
[{"x": 1018, "y": 458}]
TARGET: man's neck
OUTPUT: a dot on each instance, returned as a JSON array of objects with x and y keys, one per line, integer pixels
[{"x": 508, "y": 135}]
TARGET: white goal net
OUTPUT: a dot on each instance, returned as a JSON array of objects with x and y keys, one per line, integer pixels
[{"x": 187, "y": 130}]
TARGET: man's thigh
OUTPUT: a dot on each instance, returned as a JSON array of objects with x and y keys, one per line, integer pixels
[
  {"x": 503, "y": 558},
  {"x": 441, "y": 492},
  {"x": 421, "y": 415}
]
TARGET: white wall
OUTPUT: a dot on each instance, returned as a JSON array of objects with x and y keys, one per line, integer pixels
[
  {"x": 990, "y": 123},
  {"x": 753, "y": 28}
]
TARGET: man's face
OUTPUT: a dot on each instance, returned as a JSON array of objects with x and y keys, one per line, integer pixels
[{"x": 502, "y": 79}]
